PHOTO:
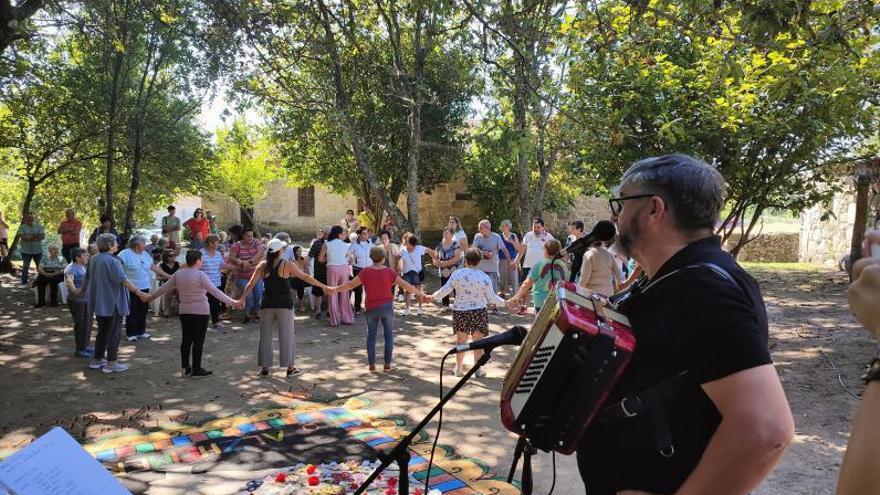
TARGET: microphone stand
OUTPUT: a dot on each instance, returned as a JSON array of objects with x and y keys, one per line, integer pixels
[{"x": 400, "y": 452}]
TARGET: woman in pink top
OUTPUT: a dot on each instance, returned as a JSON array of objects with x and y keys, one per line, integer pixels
[
  {"x": 378, "y": 281},
  {"x": 191, "y": 285}
]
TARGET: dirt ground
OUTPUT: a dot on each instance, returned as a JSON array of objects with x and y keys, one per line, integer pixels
[{"x": 818, "y": 348}]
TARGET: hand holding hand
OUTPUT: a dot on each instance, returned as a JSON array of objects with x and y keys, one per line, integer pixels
[
  {"x": 329, "y": 290},
  {"x": 512, "y": 303},
  {"x": 144, "y": 297},
  {"x": 238, "y": 304}
]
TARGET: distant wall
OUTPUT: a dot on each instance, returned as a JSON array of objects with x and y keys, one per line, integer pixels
[
  {"x": 775, "y": 248},
  {"x": 826, "y": 241},
  {"x": 587, "y": 209}
]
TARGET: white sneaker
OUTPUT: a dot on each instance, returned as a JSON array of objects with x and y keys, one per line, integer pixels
[
  {"x": 405, "y": 311},
  {"x": 480, "y": 373},
  {"x": 419, "y": 311},
  {"x": 114, "y": 368},
  {"x": 132, "y": 338},
  {"x": 400, "y": 298},
  {"x": 96, "y": 364},
  {"x": 457, "y": 372},
  {"x": 144, "y": 336},
  {"x": 219, "y": 325}
]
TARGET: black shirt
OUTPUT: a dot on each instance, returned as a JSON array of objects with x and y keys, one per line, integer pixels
[
  {"x": 577, "y": 250},
  {"x": 694, "y": 320}
]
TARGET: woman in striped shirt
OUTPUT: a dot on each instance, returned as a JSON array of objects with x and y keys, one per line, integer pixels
[{"x": 213, "y": 263}]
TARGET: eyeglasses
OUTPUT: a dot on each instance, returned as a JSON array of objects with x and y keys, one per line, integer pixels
[{"x": 616, "y": 204}]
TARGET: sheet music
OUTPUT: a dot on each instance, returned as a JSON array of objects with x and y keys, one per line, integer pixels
[{"x": 53, "y": 464}]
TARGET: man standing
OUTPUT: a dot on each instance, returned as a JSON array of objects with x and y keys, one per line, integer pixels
[
  {"x": 575, "y": 232},
  {"x": 69, "y": 230},
  {"x": 490, "y": 244},
  {"x": 533, "y": 243},
  {"x": 359, "y": 257},
  {"x": 31, "y": 234},
  {"x": 171, "y": 228},
  {"x": 700, "y": 408}
]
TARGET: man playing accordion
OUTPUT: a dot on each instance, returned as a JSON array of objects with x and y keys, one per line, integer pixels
[{"x": 700, "y": 409}]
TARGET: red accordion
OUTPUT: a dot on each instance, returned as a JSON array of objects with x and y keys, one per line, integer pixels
[{"x": 568, "y": 363}]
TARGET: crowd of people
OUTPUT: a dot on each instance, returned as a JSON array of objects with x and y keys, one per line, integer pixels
[
  {"x": 349, "y": 271},
  {"x": 700, "y": 408}
]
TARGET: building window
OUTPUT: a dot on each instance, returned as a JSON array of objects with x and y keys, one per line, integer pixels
[{"x": 305, "y": 202}]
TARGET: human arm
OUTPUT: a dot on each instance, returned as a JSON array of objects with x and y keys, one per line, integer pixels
[
  {"x": 167, "y": 287},
  {"x": 586, "y": 268},
  {"x": 444, "y": 291},
  {"x": 206, "y": 284},
  {"x": 255, "y": 277},
  {"x": 159, "y": 273},
  {"x": 71, "y": 287},
  {"x": 293, "y": 270},
  {"x": 751, "y": 437},
  {"x": 42, "y": 272},
  {"x": 490, "y": 295},
  {"x": 322, "y": 256},
  {"x": 859, "y": 473},
  {"x": 398, "y": 281},
  {"x": 524, "y": 289},
  {"x": 351, "y": 284}
]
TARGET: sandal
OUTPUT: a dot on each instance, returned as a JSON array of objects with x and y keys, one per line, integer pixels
[{"x": 294, "y": 372}]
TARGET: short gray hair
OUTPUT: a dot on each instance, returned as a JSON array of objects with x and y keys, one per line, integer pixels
[
  {"x": 284, "y": 236},
  {"x": 138, "y": 239},
  {"x": 105, "y": 242},
  {"x": 692, "y": 189},
  {"x": 485, "y": 222},
  {"x": 508, "y": 223}
]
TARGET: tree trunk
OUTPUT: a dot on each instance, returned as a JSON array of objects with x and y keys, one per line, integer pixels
[
  {"x": 111, "y": 135},
  {"x": 860, "y": 222},
  {"x": 412, "y": 177},
  {"x": 520, "y": 125},
  {"x": 12, "y": 19},
  {"x": 745, "y": 234},
  {"x": 135, "y": 179}
]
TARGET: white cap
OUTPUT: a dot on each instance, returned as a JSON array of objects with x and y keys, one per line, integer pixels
[{"x": 276, "y": 245}]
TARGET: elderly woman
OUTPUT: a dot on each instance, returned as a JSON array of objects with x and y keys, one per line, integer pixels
[
  {"x": 193, "y": 284},
  {"x": 105, "y": 287},
  {"x": 137, "y": 264},
  {"x": 212, "y": 265},
  {"x": 50, "y": 273}
]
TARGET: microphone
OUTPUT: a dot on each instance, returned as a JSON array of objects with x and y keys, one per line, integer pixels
[
  {"x": 514, "y": 336},
  {"x": 603, "y": 231}
]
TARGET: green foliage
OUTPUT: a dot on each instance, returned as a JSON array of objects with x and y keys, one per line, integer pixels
[
  {"x": 244, "y": 163},
  {"x": 773, "y": 104}
]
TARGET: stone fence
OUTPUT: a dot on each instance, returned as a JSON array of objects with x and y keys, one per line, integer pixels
[{"x": 776, "y": 248}]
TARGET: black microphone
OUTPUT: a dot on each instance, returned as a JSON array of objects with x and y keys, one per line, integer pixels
[
  {"x": 603, "y": 231},
  {"x": 514, "y": 336}
]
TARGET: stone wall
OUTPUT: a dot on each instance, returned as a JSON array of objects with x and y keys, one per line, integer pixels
[
  {"x": 278, "y": 212},
  {"x": 775, "y": 248},
  {"x": 825, "y": 242},
  {"x": 449, "y": 199},
  {"x": 587, "y": 209}
]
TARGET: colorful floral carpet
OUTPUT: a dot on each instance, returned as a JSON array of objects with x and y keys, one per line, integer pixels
[{"x": 336, "y": 441}]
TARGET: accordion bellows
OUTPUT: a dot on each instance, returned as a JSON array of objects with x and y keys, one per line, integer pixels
[{"x": 567, "y": 365}]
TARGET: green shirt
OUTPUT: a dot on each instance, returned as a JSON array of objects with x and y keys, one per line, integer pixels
[
  {"x": 544, "y": 279},
  {"x": 31, "y": 247}
]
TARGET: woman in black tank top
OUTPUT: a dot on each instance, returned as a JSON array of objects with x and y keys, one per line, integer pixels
[{"x": 276, "y": 310}]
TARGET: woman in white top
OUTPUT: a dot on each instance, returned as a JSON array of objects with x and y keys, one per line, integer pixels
[
  {"x": 335, "y": 254},
  {"x": 458, "y": 233},
  {"x": 473, "y": 291}
]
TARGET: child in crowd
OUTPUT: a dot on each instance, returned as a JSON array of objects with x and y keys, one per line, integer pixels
[
  {"x": 473, "y": 292},
  {"x": 543, "y": 276},
  {"x": 379, "y": 281},
  {"x": 74, "y": 276}
]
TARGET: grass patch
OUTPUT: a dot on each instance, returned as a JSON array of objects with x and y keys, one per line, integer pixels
[{"x": 759, "y": 266}]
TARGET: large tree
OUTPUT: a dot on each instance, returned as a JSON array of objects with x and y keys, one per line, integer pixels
[{"x": 774, "y": 98}]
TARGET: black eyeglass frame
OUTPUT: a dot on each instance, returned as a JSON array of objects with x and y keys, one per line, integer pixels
[{"x": 616, "y": 204}]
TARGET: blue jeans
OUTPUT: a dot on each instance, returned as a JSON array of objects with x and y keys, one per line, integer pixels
[
  {"x": 26, "y": 264},
  {"x": 252, "y": 304},
  {"x": 385, "y": 314}
]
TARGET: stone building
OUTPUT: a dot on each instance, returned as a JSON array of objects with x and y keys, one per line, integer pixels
[{"x": 301, "y": 211}]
